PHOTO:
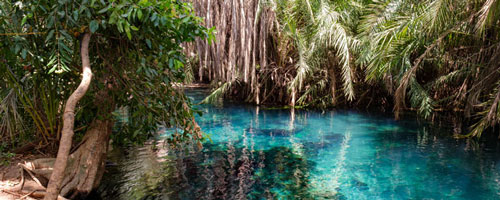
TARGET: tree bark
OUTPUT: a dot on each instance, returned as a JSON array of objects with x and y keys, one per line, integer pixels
[
  {"x": 61, "y": 162},
  {"x": 85, "y": 165},
  {"x": 239, "y": 43},
  {"x": 243, "y": 47},
  {"x": 333, "y": 86}
]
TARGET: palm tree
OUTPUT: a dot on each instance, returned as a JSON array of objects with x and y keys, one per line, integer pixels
[{"x": 437, "y": 55}]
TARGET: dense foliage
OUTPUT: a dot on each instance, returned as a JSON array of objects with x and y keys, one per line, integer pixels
[
  {"x": 428, "y": 56},
  {"x": 135, "y": 52},
  {"x": 130, "y": 58}
]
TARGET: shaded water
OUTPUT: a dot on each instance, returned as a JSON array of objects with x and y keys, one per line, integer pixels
[{"x": 282, "y": 154}]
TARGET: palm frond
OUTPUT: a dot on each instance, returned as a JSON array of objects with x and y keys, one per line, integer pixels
[
  {"x": 490, "y": 116},
  {"x": 450, "y": 77},
  {"x": 332, "y": 33},
  {"x": 216, "y": 96},
  {"x": 11, "y": 121},
  {"x": 488, "y": 15},
  {"x": 420, "y": 99},
  {"x": 313, "y": 91}
]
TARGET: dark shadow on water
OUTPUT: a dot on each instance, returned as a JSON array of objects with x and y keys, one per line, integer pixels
[
  {"x": 215, "y": 173},
  {"x": 274, "y": 132}
]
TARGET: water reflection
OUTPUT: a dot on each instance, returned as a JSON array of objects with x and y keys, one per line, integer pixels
[{"x": 259, "y": 153}]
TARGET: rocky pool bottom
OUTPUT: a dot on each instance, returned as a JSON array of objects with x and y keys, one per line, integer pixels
[{"x": 255, "y": 153}]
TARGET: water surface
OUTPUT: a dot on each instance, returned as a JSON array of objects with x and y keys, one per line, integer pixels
[{"x": 257, "y": 153}]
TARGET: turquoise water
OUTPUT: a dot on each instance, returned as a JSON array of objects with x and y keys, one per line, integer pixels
[{"x": 257, "y": 153}]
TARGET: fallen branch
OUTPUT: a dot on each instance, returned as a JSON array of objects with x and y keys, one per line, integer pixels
[
  {"x": 24, "y": 168},
  {"x": 27, "y": 195}
]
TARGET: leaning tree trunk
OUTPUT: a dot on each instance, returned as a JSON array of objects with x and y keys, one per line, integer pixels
[
  {"x": 77, "y": 174},
  {"x": 61, "y": 162}
]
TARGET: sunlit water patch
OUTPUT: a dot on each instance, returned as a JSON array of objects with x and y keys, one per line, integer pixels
[{"x": 256, "y": 153}]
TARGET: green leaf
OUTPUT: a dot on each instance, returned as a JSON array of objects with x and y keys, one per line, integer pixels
[
  {"x": 171, "y": 63},
  {"x": 134, "y": 28},
  {"x": 61, "y": 44},
  {"x": 52, "y": 69},
  {"x": 61, "y": 13},
  {"x": 17, "y": 48},
  {"x": 105, "y": 9},
  {"x": 143, "y": 2},
  {"x": 24, "y": 53},
  {"x": 66, "y": 35},
  {"x": 50, "y": 35},
  {"x": 129, "y": 35},
  {"x": 24, "y": 20},
  {"x": 50, "y": 23},
  {"x": 113, "y": 18},
  {"x": 93, "y": 26},
  {"x": 127, "y": 30},
  {"x": 139, "y": 14},
  {"x": 75, "y": 15},
  {"x": 52, "y": 61},
  {"x": 120, "y": 26},
  {"x": 148, "y": 42},
  {"x": 153, "y": 17}
]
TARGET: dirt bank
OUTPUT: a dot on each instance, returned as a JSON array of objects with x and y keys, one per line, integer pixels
[{"x": 10, "y": 179}]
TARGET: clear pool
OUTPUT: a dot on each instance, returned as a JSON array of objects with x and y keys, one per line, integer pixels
[{"x": 256, "y": 153}]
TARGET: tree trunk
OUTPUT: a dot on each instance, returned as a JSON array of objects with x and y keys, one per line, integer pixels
[
  {"x": 333, "y": 88},
  {"x": 86, "y": 164},
  {"x": 243, "y": 37},
  {"x": 68, "y": 123},
  {"x": 240, "y": 45}
]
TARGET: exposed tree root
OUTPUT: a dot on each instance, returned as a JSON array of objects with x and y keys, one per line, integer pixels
[{"x": 85, "y": 166}]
